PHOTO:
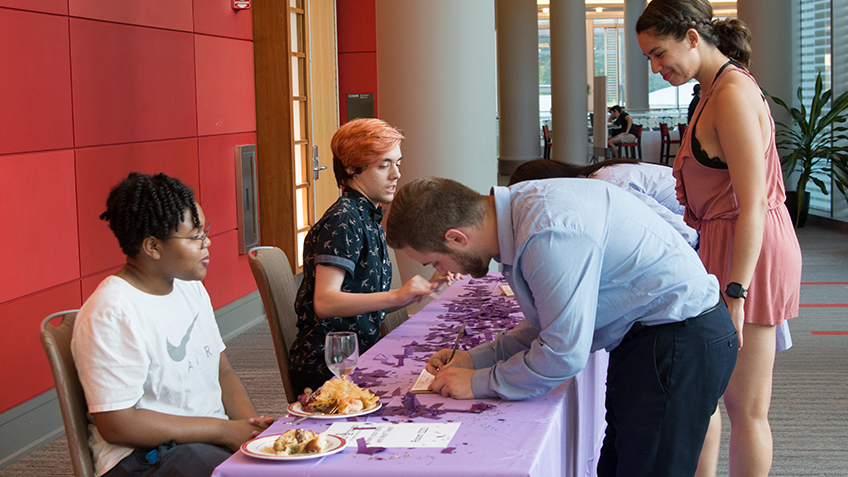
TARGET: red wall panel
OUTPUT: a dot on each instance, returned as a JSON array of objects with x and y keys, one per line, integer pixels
[
  {"x": 38, "y": 227},
  {"x": 131, "y": 83},
  {"x": 47, "y": 6},
  {"x": 170, "y": 14},
  {"x": 218, "y": 178},
  {"x": 228, "y": 277},
  {"x": 356, "y": 25},
  {"x": 226, "y": 98},
  {"x": 25, "y": 372},
  {"x": 101, "y": 168},
  {"x": 35, "y": 82},
  {"x": 357, "y": 74},
  {"x": 219, "y": 18}
]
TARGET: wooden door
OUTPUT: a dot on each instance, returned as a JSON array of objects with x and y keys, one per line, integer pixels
[{"x": 286, "y": 120}]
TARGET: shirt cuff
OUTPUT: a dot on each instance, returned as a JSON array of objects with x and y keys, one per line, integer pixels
[
  {"x": 343, "y": 263},
  {"x": 480, "y": 384}
]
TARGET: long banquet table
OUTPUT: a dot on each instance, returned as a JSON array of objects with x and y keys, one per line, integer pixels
[{"x": 559, "y": 433}]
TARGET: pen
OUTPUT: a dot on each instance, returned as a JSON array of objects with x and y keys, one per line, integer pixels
[{"x": 456, "y": 343}]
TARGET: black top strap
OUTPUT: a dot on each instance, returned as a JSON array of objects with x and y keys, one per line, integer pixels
[{"x": 698, "y": 151}]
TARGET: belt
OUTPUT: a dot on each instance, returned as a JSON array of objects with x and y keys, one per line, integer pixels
[{"x": 638, "y": 326}]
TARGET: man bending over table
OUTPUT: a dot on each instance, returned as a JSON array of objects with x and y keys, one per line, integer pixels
[
  {"x": 162, "y": 395},
  {"x": 592, "y": 267}
]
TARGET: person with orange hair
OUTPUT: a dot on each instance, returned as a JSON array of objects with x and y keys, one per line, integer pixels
[{"x": 347, "y": 273}]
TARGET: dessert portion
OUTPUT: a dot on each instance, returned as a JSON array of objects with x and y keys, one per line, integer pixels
[
  {"x": 337, "y": 396},
  {"x": 298, "y": 441}
]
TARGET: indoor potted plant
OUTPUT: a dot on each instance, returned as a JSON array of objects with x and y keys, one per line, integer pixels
[{"x": 818, "y": 145}]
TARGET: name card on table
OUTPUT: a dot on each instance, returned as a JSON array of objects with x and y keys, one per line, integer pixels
[
  {"x": 421, "y": 385},
  {"x": 386, "y": 434}
]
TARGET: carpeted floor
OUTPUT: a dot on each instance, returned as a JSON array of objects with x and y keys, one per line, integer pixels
[{"x": 809, "y": 412}]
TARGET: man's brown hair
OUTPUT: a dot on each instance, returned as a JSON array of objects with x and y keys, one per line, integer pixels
[{"x": 426, "y": 208}]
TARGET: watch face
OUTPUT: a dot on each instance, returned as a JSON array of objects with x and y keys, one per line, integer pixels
[{"x": 735, "y": 290}]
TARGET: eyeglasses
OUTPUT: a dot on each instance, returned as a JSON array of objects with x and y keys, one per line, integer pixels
[{"x": 202, "y": 238}]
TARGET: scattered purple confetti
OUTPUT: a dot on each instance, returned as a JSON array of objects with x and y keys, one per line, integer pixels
[
  {"x": 481, "y": 406},
  {"x": 410, "y": 402},
  {"x": 364, "y": 449}
]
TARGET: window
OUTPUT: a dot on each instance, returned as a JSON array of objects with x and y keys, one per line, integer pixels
[{"x": 816, "y": 57}]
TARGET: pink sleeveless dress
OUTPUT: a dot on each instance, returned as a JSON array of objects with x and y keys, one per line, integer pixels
[{"x": 712, "y": 209}]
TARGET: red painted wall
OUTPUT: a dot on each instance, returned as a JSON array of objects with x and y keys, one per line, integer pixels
[
  {"x": 91, "y": 90},
  {"x": 356, "y": 30}
]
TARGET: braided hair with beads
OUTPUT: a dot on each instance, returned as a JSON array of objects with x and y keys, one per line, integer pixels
[
  {"x": 144, "y": 206},
  {"x": 673, "y": 18}
]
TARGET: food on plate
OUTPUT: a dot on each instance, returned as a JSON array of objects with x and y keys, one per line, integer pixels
[
  {"x": 337, "y": 396},
  {"x": 298, "y": 441}
]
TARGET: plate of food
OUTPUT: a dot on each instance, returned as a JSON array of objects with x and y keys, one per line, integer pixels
[
  {"x": 294, "y": 444},
  {"x": 335, "y": 399},
  {"x": 296, "y": 409}
]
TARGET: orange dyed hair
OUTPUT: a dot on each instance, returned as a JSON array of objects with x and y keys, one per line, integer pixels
[{"x": 360, "y": 143}]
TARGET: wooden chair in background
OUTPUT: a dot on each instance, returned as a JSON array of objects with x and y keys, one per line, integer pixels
[
  {"x": 56, "y": 341},
  {"x": 632, "y": 149},
  {"x": 546, "y": 137},
  {"x": 665, "y": 144},
  {"x": 275, "y": 280}
]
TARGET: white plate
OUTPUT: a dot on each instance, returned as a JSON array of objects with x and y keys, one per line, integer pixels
[
  {"x": 259, "y": 448},
  {"x": 297, "y": 409}
]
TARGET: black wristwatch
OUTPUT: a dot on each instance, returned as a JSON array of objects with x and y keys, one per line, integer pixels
[{"x": 735, "y": 290}]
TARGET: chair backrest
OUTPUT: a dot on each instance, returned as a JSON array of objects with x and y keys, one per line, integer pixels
[
  {"x": 637, "y": 130},
  {"x": 56, "y": 341},
  {"x": 275, "y": 280},
  {"x": 664, "y": 129},
  {"x": 682, "y": 128},
  {"x": 546, "y": 134},
  {"x": 394, "y": 318}
]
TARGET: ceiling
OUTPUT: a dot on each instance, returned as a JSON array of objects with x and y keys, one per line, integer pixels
[{"x": 615, "y": 8}]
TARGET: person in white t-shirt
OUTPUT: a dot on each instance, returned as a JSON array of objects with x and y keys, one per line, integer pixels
[{"x": 162, "y": 396}]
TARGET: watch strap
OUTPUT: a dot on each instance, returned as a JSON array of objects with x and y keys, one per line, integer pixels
[{"x": 736, "y": 290}]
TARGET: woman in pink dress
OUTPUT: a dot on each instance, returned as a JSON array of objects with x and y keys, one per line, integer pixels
[{"x": 729, "y": 178}]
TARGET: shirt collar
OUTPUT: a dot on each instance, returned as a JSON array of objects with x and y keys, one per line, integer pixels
[
  {"x": 506, "y": 239},
  {"x": 365, "y": 205}
]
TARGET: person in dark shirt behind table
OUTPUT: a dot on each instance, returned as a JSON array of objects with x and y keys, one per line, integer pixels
[
  {"x": 347, "y": 273},
  {"x": 696, "y": 98},
  {"x": 625, "y": 124}
]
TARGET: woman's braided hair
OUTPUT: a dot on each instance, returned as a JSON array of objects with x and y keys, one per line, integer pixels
[
  {"x": 673, "y": 18},
  {"x": 144, "y": 206}
]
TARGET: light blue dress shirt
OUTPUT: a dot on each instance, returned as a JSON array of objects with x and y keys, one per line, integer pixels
[
  {"x": 586, "y": 260},
  {"x": 654, "y": 185}
]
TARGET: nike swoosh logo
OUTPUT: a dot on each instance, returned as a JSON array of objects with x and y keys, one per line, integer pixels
[{"x": 178, "y": 353}]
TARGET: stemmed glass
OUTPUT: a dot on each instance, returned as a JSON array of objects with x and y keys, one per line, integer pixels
[{"x": 341, "y": 352}]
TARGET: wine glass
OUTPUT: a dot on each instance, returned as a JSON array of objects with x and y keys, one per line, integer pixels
[{"x": 341, "y": 352}]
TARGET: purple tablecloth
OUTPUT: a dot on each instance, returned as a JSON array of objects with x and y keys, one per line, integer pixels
[{"x": 559, "y": 433}]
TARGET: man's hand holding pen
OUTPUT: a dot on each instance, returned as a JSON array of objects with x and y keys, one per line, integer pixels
[
  {"x": 454, "y": 379},
  {"x": 453, "y": 370}
]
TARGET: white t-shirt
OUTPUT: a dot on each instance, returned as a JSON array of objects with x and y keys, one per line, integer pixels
[{"x": 161, "y": 353}]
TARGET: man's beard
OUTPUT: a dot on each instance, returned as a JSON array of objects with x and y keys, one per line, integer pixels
[{"x": 475, "y": 265}]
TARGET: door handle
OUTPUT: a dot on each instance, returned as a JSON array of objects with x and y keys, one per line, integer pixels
[{"x": 315, "y": 167}]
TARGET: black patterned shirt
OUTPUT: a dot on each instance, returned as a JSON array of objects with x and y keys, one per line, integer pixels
[{"x": 348, "y": 236}]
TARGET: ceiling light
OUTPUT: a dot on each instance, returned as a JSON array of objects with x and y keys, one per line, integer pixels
[{"x": 599, "y": 9}]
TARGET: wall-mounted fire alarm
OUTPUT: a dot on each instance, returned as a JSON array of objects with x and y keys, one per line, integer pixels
[{"x": 241, "y": 4}]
